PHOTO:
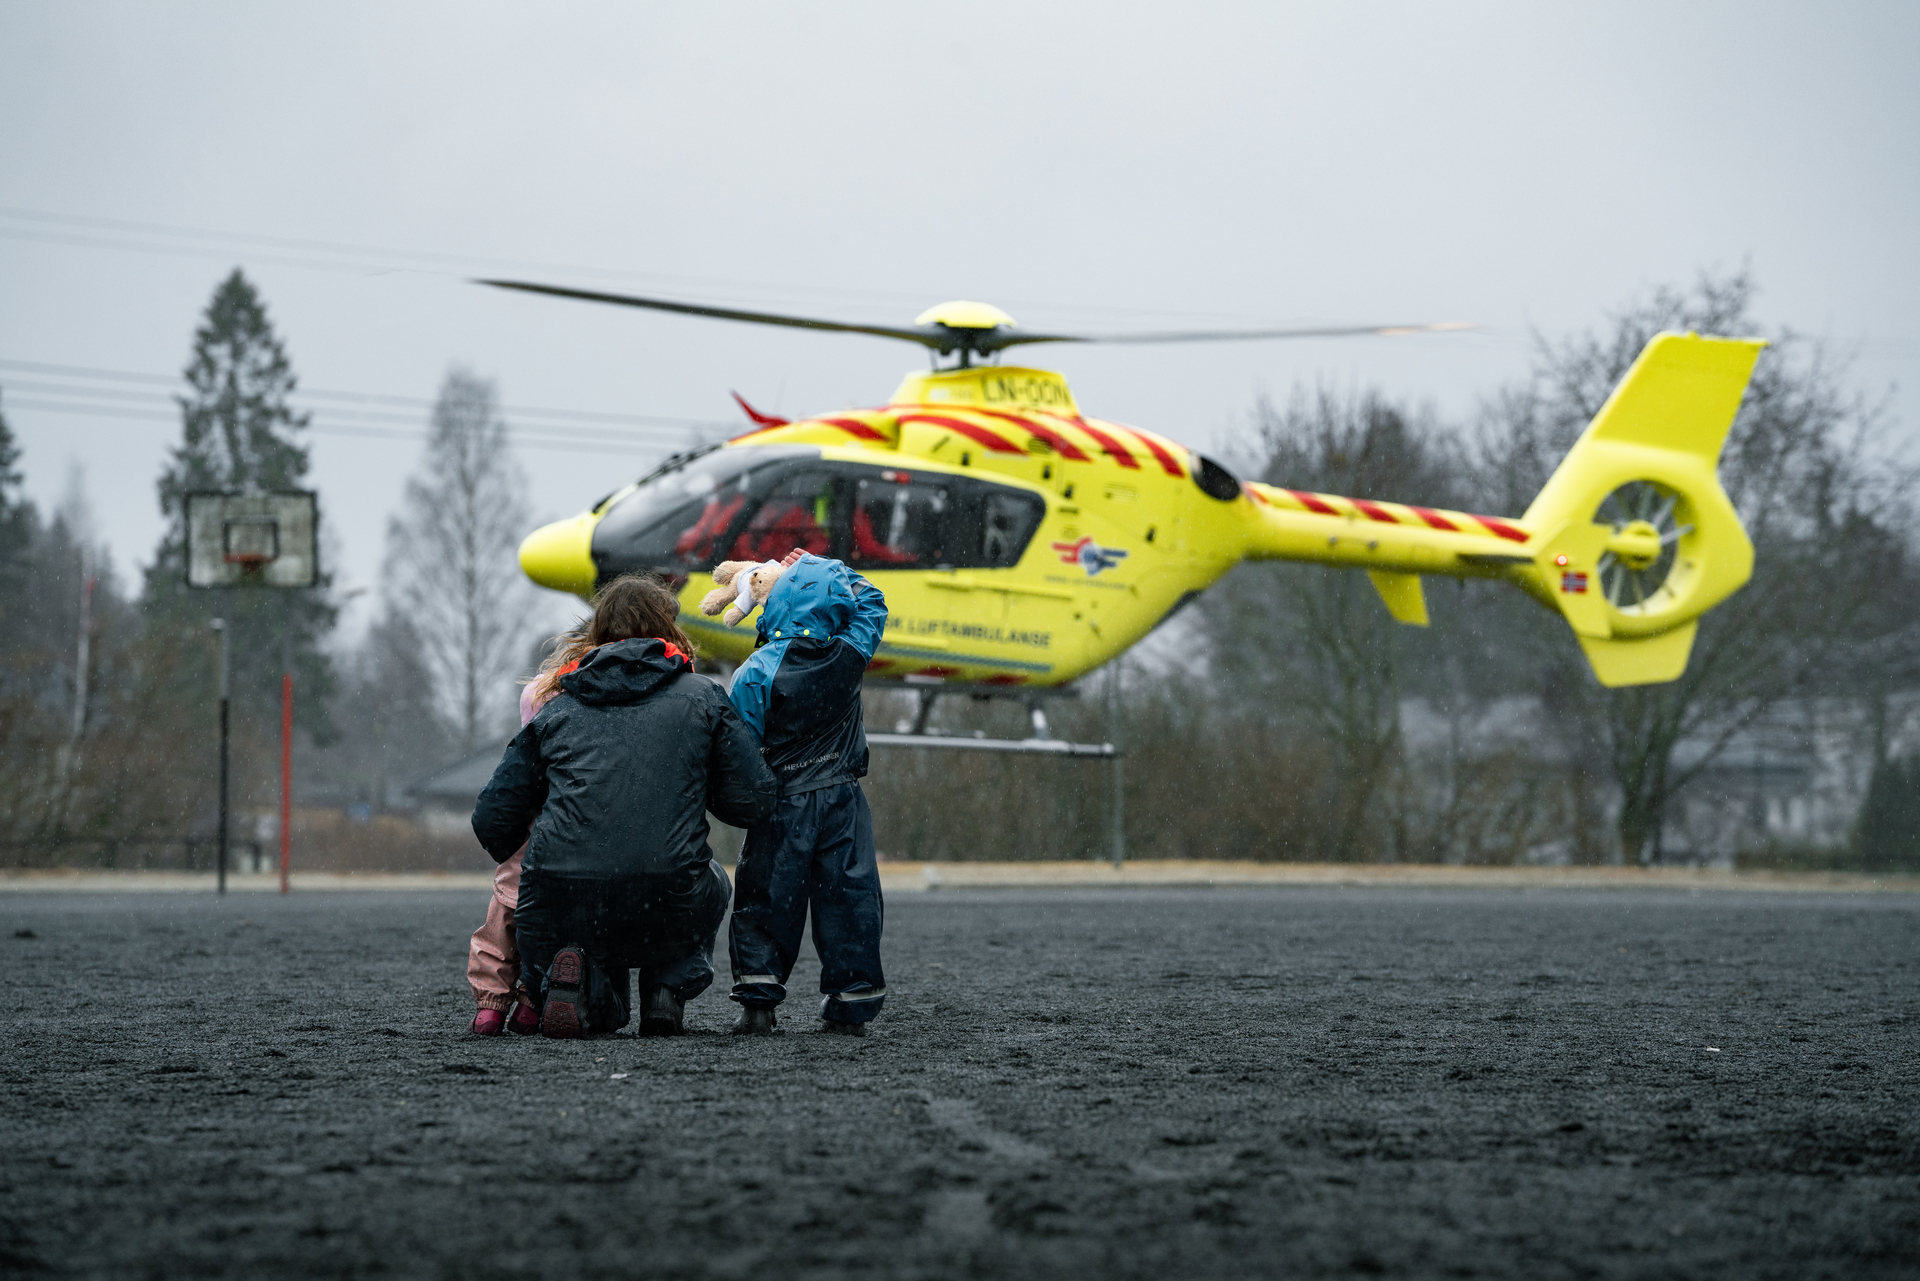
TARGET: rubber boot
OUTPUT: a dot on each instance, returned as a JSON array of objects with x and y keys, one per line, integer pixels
[
  {"x": 755, "y": 1020},
  {"x": 842, "y": 1029},
  {"x": 662, "y": 1013}
]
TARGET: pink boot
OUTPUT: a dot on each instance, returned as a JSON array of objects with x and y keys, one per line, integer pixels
[
  {"x": 525, "y": 1020},
  {"x": 488, "y": 1023}
]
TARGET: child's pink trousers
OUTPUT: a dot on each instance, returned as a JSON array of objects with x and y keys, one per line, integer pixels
[{"x": 493, "y": 958}]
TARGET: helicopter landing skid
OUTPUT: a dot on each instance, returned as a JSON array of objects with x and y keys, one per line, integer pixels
[
  {"x": 1041, "y": 746},
  {"x": 915, "y": 733},
  {"x": 1041, "y": 743}
]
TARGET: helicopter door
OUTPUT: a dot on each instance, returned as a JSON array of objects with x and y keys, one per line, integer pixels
[{"x": 898, "y": 522}]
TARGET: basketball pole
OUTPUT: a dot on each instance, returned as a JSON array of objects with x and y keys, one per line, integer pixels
[
  {"x": 220, "y": 626},
  {"x": 286, "y": 747},
  {"x": 286, "y": 776},
  {"x": 254, "y": 540}
]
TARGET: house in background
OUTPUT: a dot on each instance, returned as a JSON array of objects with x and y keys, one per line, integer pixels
[{"x": 443, "y": 801}]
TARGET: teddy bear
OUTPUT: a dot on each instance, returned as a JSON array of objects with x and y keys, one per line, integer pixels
[{"x": 744, "y": 585}]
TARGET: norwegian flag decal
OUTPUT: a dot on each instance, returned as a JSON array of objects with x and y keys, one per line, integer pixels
[{"x": 1573, "y": 582}]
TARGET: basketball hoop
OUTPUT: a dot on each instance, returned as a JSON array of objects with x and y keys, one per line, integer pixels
[{"x": 252, "y": 540}]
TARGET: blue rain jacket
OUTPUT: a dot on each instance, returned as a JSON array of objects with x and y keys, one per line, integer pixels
[{"x": 800, "y": 692}]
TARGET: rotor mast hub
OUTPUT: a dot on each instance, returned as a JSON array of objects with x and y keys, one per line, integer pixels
[{"x": 966, "y": 328}]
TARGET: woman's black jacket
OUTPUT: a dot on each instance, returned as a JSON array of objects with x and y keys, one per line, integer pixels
[{"x": 615, "y": 774}]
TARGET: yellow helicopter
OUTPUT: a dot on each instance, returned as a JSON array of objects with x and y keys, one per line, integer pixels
[{"x": 1021, "y": 543}]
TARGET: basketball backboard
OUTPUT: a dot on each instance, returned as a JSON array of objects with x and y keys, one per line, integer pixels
[{"x": 252, "y": 540}]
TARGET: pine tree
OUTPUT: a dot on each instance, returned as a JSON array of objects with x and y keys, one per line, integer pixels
[{"x": 240, "y": 433}]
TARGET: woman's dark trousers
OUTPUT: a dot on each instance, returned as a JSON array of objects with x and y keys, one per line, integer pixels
[
  {"x": 661, "y": 929},
  {"x": 816, "y": 851}
]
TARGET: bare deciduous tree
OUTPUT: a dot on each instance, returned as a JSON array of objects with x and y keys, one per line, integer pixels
[
  {"x": 1316, "y": 644},
  {"x": 452, "y": 569}
]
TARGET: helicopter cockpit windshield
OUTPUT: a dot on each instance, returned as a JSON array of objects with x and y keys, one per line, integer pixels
[{"x": 735, "y": 505}]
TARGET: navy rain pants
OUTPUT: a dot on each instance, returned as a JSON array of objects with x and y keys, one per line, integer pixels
[
  {"x": 816, "y": 851},
  {"x": 622, "y": 924}
]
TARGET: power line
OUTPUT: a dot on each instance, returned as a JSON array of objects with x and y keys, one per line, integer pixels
[
  {"x": 329, "y": 428},
  {"x": 396, "y": 259},
  {"x": 461, "y": 264},
  {"x": 584, "y": 415},
  {"x": 143, "y": 396},
  {"x": 356, "y": 415}
]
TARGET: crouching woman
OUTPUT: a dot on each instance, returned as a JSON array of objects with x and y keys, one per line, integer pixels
[{"x": 613, "y": 778}]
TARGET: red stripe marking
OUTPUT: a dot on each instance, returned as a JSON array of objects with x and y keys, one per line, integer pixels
[
  {"x": 1255, "y": 494},
  {"x": 979, "y": 435},
  {"x": 1067, "y": 448},
  {"x": 1114, "y": 449},
  {"x": 1374, "y": 511},
  {"x": 1313, "y": 504},
  {"x": 854, "y": 427},
  {"x": 1154, "y": 447},
  {"x": 1435, "y": 519},
  {"x": 1503, "y": 529}
]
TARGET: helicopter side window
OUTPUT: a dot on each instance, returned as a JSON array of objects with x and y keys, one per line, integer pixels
[
  {"x": 1008, "y": 519},
  {"x": 898, "y": 522},
  {"x": 678, "y": 521},
  {"x": 798, "y": 512},
  {"x": 690, "y": 514}
]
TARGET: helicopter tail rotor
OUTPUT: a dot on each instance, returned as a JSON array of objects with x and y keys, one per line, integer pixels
[{"x": 1635, "y": 537}]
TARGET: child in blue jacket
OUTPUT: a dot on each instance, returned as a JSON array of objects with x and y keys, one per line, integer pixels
[{"x": 800, "y": 694}]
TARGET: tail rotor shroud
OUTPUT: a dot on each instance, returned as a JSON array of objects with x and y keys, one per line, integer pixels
[{"x": 1646, "y": 518}]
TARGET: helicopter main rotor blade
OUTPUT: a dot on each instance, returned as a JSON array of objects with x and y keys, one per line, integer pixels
[
  {"x": 999, "y": 340},
  {"x": 930, "y": 337},
  {"x": 947, "y": 339}
]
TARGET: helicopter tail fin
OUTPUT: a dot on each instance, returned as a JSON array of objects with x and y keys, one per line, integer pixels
[{"x": 1636, "y": 539}]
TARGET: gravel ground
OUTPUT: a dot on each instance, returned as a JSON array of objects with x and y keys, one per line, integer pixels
[{"x": 1291, "y": 1082}]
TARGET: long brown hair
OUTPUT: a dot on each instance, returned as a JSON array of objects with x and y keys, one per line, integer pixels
[{"x": 631, "y": 605}]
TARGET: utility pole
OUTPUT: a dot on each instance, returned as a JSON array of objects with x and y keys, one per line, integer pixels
[
  {"x": 220, "y": 626},
  {"x": 69, "y": 759},
  {"x": 1119, "y": 768},
  {"x": 286, "y": 753},
  {"x": 82, "y": 659},
  {"x": 286, "y": 777}
]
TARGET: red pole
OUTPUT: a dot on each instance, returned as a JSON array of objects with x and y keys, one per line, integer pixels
[{"x": 286, "y": 776}]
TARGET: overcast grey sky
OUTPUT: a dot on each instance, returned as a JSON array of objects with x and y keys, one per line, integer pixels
[{"x": 1101, "y": 166}]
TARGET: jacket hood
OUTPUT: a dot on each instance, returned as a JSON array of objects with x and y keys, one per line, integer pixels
[
  {"x": 814, "y": 598},
  {"x": 625, "y": 671}
]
